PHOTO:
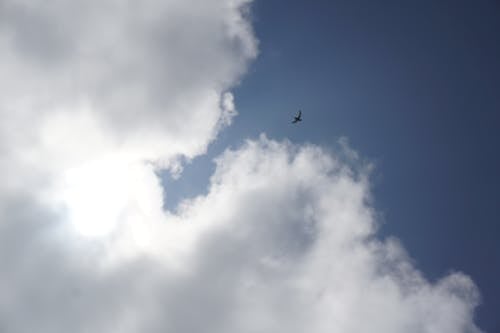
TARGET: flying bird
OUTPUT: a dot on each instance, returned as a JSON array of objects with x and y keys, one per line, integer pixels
[{"x": 297, "y": 118}]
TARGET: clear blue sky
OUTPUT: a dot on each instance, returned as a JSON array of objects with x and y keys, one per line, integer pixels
[{"x": 415, "y": 86}]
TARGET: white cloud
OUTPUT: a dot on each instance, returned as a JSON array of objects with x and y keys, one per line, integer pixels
[
  {"x": 283, "y": 241},
  {"x": 97, "y": 95},
  {"x": 82, "y": 79}
]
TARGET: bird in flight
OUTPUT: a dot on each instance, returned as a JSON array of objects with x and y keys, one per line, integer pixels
[{"x": 297, "y": 118}]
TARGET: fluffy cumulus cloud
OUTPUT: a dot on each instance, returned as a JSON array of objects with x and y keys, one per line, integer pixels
[
  {"x": 97, "y": 97},
  {"x": 143, "y": 80}
]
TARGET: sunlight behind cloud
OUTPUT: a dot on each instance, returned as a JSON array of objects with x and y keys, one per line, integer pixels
[{"x": 94, "y": 196}]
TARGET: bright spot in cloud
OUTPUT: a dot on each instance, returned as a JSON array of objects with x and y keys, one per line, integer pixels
[{"x": 94, "y": 196}]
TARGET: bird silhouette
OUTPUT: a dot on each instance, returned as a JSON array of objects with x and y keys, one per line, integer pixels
[{"x": 297, "y": 118}]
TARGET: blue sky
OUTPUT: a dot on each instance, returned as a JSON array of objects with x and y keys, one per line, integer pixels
[{"x": 414, "y": 86}]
